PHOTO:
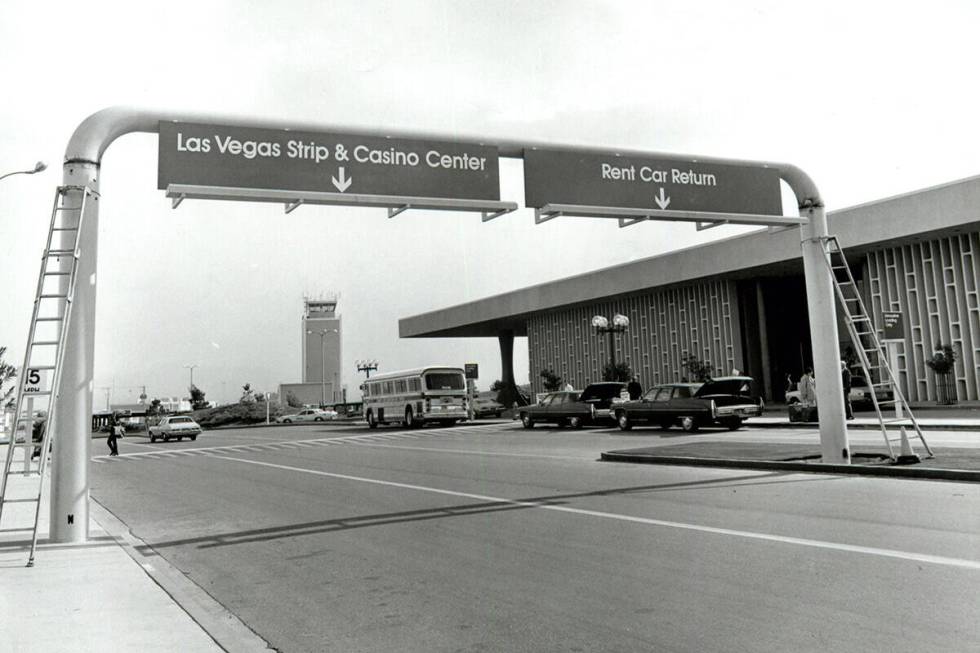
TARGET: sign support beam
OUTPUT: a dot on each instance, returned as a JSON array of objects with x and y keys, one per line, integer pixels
[{"x": 83, "y": 157}]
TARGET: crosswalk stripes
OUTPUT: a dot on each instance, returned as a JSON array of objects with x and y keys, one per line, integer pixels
[{"x": 296, "y": 445}]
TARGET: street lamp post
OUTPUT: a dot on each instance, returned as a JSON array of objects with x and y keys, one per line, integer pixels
[
  {"x": 366, "y": 366},
  {"x": 619, "y": 324},
  {"x": 38, "y": 167},
  {"x": 323, "y": 362},
  {"x": 191, "y": 368}
]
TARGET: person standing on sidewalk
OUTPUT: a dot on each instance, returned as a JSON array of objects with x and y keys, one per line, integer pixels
[{"x": 845, "y": 377}]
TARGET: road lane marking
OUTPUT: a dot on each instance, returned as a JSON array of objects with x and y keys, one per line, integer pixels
[
  {"x": 782, "y": 539},
  {"x": 471, "y": 452}
]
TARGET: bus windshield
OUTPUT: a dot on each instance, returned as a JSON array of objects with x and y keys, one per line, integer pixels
[{"x": 444, "y": 381}]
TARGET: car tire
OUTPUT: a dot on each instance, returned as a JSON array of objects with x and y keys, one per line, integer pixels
[
  {"x": 665, "y": 425},
  {"x": 526, "y": 421},
  {"x": 166, "y": 438},
  {"x": 576, "y": 422},
  {"x": 317, "y": 419},
  {"x": 193, "y": 438},
  {"x": 180, "y": 438},
  {"x": 372, "y": 422},
  {"x": 153, "y": 438},
  {"x": 623, "y": 421},
  {"x": 287, "y": 421},
  {"x": 733, "y": 423},
  {"x": 689, "y": 424}
]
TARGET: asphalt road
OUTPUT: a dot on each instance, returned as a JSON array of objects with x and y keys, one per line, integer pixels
[{"x": 491, "y": 538}]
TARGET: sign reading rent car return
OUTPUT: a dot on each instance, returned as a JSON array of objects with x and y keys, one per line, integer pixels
[
  {"x": 248, "y": 157},
  {"x": 608, "y": 180}
]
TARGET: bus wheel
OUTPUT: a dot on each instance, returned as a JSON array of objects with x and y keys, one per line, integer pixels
[
  {"x": 410, "y": 420},
  {"x": 372, "y": 422}
]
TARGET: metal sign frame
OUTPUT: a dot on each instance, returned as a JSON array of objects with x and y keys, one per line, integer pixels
[{"x": 82, "y": 170}]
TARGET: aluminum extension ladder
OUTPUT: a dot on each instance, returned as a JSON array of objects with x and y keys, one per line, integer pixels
[
  {"x": 871, "y": 355},
  {"x": 45, "y": 351}
]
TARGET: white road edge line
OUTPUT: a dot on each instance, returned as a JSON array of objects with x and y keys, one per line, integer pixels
[{"x": 820, "y": 544}]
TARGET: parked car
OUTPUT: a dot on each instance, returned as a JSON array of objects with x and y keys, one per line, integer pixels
[
  {"x": 308, "y": 415},
  {"x": 174, "y": 427},
  {"x": 726, "y": 401},
  {"x": 860, "y": 393},
  {"x": 485, "y": 407},
  {"x": 602, "y": 396},
  {"x": 561, "y": 408}
]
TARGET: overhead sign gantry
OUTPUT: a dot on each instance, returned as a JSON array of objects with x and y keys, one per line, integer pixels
[{"x": 403, "y": 171}]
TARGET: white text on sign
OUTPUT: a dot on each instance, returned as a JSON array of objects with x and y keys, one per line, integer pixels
[
  {"x": 319, "y": 152},
  {"x": 657, "y": 176}
]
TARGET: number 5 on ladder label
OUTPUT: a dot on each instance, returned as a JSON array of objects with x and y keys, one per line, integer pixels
[{"x": 35, "y": 381}]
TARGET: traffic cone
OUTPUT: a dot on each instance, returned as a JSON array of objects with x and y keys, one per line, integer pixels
[{"x": 907, "y": 456}]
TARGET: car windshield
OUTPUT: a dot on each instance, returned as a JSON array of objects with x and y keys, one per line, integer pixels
[{"x": 444, "y": 381}]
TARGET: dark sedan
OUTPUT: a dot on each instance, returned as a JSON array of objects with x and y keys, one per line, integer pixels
[
  {"x": 726, "y": 401},
  {"x": 561, "y": 408}
]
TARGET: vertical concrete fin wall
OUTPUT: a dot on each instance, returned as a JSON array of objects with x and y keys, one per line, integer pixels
[
  {"x": 699, "y": 319},
  {"x": 935, "y": 286}
]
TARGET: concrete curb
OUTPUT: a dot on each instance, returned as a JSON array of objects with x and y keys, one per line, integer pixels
[
  {"x": 855, "y": 426},
  {"x": 893, "y": 471},
  {"x": 226, "y": 629}
]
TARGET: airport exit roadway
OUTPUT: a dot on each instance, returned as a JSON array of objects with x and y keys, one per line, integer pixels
[{"x": 490, "y": 537}]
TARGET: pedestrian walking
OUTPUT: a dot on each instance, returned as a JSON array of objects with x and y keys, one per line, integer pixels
[
  {"x": 634, "y": 388},
  {"x": 845, "y": 377},
  {"x": 808, "y": 388},
  {"x": 116, "y": 431},
  {"x": 790, "y": 386}
]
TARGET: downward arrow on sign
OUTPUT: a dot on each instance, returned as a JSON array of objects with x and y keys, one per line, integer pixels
[
  {"x": 662, "y": 202},
  {"x": 344, "y": 182}
]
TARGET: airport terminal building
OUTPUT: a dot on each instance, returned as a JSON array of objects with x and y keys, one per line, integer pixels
[{"x": 740, "y": 303}]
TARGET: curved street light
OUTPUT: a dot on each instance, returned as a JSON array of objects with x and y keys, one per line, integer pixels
[
  {"x": 38, "y": 167},
  {"x": 619, "y": 324}
]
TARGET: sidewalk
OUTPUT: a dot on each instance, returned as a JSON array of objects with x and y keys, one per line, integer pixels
[
  {"x": 97, "y": 597},
  {"x": 957, "y": 463}
]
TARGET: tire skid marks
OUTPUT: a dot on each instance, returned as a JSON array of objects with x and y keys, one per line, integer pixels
[{"x": 295, "y": 445}]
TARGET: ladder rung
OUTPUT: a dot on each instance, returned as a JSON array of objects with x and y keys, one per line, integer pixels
[
  {"x": 64, "y": 228},
  {"x": 42, "y": 367},
  {"x": 861, "y": 318},
  {"x": 30, "y": 472},
  {"x": 57, "y": 274},
  {"x": 43, "y": 392},
  {"x": 68, "y": 208},
  {"x": 50, "y": 319},
  {"x": 16, "y": 530},
  {"x": 45, "y": 343},
  {"x": 52, "y": 296},
  {"x": 896, "y": 421},
  {"x": 20, "y": 500}
]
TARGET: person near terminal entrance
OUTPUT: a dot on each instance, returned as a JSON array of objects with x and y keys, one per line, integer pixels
[
  {"x": 808, "y": 388},
  {"x": 634, "y": 388},
  {"x": 790, "y": 386},
  {"x": 569, "y": 387},
  {"x": 845, "y": 377}
]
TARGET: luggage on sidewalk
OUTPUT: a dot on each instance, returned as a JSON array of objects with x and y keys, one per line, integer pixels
[{"x": 801, "y": 413}]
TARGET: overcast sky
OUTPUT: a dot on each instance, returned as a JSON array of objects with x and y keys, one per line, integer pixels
[{"x": 871, "y": 99}]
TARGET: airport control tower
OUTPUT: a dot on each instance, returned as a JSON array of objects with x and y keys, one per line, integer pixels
[{"x": 320, "y": 336}]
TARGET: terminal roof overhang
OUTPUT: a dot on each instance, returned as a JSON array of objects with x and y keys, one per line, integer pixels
[{"x": 918, "y": 216}]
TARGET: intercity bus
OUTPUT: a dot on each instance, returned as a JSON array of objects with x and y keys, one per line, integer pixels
[{"x": 416, "y": 397}]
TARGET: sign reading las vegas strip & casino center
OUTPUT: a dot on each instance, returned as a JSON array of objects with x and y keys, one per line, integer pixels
[{"x": 258, "y": 158}]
